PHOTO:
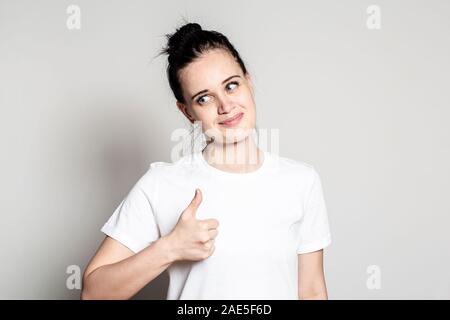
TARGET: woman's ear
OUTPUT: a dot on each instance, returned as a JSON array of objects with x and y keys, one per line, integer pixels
[{"x": 182, "y": 107}]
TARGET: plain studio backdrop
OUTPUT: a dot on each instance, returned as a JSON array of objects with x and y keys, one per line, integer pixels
[{"x": 85, "y": 111}]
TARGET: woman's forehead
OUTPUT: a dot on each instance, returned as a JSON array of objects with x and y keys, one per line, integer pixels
[{"x": 209, "y": 70}]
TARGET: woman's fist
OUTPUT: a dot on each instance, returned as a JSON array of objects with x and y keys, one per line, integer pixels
[{"x": 193, "y": 239}]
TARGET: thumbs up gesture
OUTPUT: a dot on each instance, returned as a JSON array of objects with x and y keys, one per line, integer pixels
[{"x": 191, "y": 238}]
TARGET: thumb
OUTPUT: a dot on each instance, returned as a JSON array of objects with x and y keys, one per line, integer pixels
[{"x": 195, "y": 202}]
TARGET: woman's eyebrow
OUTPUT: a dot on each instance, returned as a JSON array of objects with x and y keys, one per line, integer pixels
[
  {"x": 236, "y": 75},
  {"x": 206, "y": 90}
]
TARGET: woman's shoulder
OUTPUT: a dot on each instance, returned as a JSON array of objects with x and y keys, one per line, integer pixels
[
  {"x": 164, "y": 171},
  {"x": 295, "y": 170},
  {"x": 177, "y": 162},
  {"x": 290, "y": 164},
  {"x": 176, "y": 166}
]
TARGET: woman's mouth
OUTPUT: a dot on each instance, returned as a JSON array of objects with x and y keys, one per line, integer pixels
[{"x": 233, "y": 121}]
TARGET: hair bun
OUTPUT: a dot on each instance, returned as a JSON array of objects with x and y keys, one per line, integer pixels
[
  {"x": 189, "y": 28},
  {"x": 182, "y": 35}
]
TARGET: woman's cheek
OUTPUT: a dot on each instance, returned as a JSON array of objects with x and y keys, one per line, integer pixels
[{"x": 210, "y": 121}]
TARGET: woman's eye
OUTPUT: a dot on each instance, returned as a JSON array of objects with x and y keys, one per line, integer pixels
[
  {"x": 203, "y": 100},
  {"x": 232, "y": 85}
]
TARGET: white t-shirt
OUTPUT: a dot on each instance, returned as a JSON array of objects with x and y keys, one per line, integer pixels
[{"x": 266, "y": 218}]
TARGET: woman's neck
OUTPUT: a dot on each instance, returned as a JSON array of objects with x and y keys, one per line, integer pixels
[{"x": 238, "y": 157}]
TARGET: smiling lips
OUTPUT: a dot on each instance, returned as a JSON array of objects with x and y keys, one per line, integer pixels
[{"x": 233, "y": 120}]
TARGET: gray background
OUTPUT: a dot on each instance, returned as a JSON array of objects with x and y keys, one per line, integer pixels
[{"x": 84, "y": 112}]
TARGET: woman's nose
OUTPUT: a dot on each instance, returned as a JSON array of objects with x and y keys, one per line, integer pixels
[{"x": 225, "y": 104}]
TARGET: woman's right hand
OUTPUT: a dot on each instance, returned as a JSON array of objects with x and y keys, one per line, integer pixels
[{"x": 193, "y": 239}]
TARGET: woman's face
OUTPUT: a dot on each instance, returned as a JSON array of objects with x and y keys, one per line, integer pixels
[{"x": 215, "y": 89}]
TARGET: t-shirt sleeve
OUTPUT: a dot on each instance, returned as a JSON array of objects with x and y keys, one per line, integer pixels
[
  {"x": 133, "y": 222},
  {"x": 314, "y": 226}
]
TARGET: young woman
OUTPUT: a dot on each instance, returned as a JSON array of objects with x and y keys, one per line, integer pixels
[{"x": 246, "y": 224}]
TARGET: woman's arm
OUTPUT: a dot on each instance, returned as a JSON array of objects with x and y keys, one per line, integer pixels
[
  {"x": 311, "y": 278},
  {"x": 116, "y": 272}
]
